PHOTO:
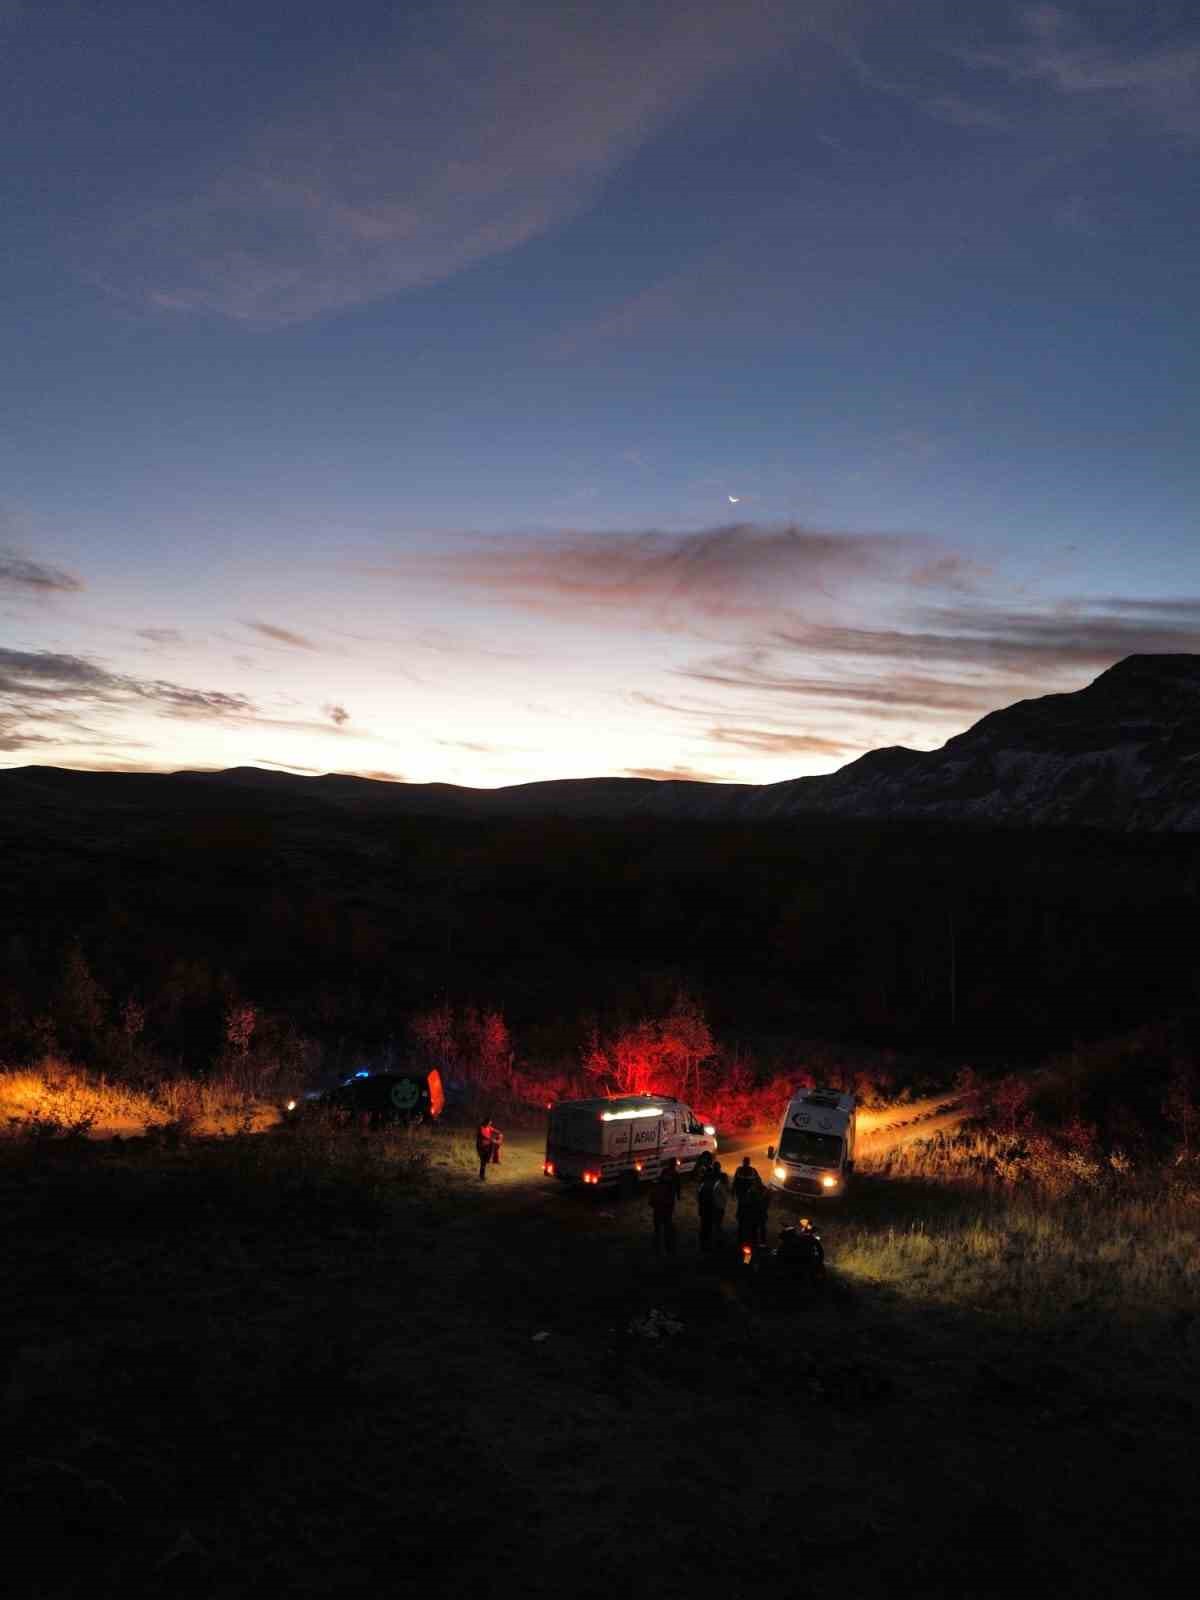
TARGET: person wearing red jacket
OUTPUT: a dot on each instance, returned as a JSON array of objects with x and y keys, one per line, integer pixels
[{"x": 487, "y": 1146}]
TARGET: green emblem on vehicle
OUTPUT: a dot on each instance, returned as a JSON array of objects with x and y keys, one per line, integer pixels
[{"x": 405, "y": 1094}]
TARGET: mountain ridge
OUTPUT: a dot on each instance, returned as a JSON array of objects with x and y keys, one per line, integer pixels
[{"x": 1121, "y": 753}]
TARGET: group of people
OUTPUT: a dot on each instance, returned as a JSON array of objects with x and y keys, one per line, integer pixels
[{"x": 715, "y": 1191}]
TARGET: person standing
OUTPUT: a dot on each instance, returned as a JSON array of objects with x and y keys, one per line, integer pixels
[
  {"x": 762, "y": 1206},
  {"x": 664, "y": 1192},
  {"x": 746, "y": 1187},
  {"x": 743, "y": 1179},
  {"x": 487, "y": 1146},
  {"x": 720, "y": 1200},
  {"x": 706, "y": 1207}
]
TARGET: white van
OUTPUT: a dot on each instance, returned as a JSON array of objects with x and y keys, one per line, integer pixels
[
  {"x": 627, "y": 1139},
  {"x": 815, "y": 1150}
]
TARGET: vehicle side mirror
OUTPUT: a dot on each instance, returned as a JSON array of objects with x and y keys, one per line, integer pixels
[{"x": 770, "y": 1152}]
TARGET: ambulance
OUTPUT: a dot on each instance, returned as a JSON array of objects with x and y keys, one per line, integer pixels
[
  {"x": 815, "y": 1152},
  {"x": 624, "y": 1140}
]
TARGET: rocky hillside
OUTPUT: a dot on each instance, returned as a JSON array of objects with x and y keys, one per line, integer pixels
[{"x": 1122, "y": 753}]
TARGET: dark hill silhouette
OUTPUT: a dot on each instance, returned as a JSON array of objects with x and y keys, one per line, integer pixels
[{"x": 1122, "y": 753}]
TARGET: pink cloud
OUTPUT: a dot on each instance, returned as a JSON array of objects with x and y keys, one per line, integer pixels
[{"x": 502, "y": 123}]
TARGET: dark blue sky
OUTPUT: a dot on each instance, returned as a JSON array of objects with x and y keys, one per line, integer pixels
[{"x": 488, "y": 392}]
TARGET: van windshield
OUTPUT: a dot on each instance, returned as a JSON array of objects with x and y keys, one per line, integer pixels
[{"x": 810, "y": 1149}]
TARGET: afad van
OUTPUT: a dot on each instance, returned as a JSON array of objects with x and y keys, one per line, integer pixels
[
  {"x": 815, "y": 1150},
  {"x": 625, "y": 1140}
]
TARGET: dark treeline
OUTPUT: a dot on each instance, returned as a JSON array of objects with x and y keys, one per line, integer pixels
[{"x": 155, "y": 923}]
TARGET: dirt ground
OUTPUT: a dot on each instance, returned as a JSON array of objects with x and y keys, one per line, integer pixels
[{"x": 215, "y": 1390}]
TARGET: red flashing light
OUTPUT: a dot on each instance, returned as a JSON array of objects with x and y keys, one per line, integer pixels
[
  {"x": 548, "y": 1169},
  {"x": 591, "y": 1177}
]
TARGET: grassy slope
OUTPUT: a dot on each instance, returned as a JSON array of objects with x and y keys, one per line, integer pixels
[{"x": 306, "y": 1366}]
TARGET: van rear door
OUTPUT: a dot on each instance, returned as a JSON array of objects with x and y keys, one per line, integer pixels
[{"x": 645, "y": 1135}]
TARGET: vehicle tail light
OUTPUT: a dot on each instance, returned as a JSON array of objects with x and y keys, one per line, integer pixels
[
  {"x": 548, "y": 1169},
  {"x": 747, "y": 1252},
  {"x": 591, "y": 1177}
]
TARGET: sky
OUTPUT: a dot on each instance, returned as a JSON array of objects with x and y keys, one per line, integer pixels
[{"x": 491, "y": 392}]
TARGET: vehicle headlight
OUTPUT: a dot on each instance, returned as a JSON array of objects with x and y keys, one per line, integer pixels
[
  {"x": 781, "y": 1173},
  {"x": 829, "y": 1183},
  {"x": 709, "y": 1129},
  {"x": 291, "y": 1105}
]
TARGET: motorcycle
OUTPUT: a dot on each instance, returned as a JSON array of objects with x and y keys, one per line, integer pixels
[{"x": 798, "y": 1258}]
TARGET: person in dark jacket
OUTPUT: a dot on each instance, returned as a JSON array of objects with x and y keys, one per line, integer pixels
[
  {"x": 664, "y": 1192},
  {"x": 706, "y": 1207},
  {"x": 487, "y": 1146},
  {"x": 747, "y": 1190},
  {"x": 762, "y": 1206},
  {"x": 720, "y": 1199},
  {"x": 743, "y": 1179}
]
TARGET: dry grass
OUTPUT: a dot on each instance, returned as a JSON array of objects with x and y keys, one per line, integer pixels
[
  {"x": 1023, "y": 1227},
  {"x": 57, "y": 1099}
]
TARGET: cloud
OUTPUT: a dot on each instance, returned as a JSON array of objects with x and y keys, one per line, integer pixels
[
  {"x": 724, "y": 571},
  {"x": 12, "y": 739},
  {"x": 180, "y": 702},
  {"x": 950, "y": 572},
  {"x": 772, "y": 742},
  {"x": 971, "y": 114},
  {"x": 45, "y": 689},
  {"x": 1185, "y": 606},
  {"x": 675, "y": 775},
  {"x": 1024, "y": 644},
  {"x": 952, "y": 663},
  {"x": 45, "y": 674},
  {"x": 270, "y": 630},
  {"x": 479, "y": 130},
  {"x": 743, "y": 735},
  {"x": 287, "y": 766},
  {"x": 160, "y": 635},
  {"x": 787, "y": 618},
  {"x": 44, "y": 693},
  {"x": 20, "y": 573},
  {"x": 908, "y": 694},
  {"x": 1155, "y": 81}
]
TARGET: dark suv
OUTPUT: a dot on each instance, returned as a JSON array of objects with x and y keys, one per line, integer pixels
[{"x": 378, "y": 1098}]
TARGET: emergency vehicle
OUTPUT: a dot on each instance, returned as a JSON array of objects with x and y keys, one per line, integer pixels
[
  {"x": 815, "y": 1152},
  {"x": 624, "y": 1140},
  {"x": 378, "y": 1097}
]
